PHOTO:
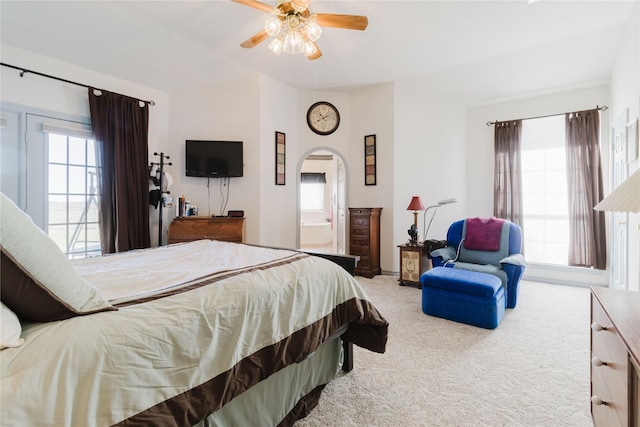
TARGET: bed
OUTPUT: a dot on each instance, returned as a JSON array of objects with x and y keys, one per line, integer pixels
[{"x": 205, "y": 333}]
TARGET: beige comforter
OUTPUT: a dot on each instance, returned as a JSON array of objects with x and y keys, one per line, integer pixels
[{"x": 197, "y": 324}]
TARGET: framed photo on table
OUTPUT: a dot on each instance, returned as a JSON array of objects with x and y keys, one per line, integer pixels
[
  {"x": 370, "y": 160},
  {"x": 280, "y": 158}
]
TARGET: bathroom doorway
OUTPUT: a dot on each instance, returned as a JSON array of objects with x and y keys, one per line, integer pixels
[{"x": 322, "y": 202}]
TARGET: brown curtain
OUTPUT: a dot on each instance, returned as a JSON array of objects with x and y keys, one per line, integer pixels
[
  {"x": 120, "y": 125},
  {"x": 507, "y": 181},
  {"x": 587, "y": 244}
]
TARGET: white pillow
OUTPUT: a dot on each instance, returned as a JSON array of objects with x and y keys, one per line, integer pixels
[
  {"x": 38, "y": 282},
  {"x": 10, "y": 328}
]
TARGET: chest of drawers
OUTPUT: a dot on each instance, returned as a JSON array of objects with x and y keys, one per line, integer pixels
[
  {"x": 615, "y": 351},
  {"x": 364, "y": 239}
]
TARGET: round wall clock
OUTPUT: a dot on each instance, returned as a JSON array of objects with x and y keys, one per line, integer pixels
[{"x": 323, "y": 118}]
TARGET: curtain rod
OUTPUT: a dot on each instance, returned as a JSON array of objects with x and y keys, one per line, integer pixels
[
  {"x": 603, "y": 108},
  {"x": 23, "y": 71}
]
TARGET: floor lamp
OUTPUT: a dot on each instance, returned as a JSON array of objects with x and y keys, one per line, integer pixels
[{"x": 436, "y": 206}]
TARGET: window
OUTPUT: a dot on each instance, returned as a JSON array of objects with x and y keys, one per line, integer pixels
[
  {"x": 311, "y": 196},
  {"x": 544, "y": 188},
  {"x": 312, "y": 191},
  {"x": 72, "y": 196}
]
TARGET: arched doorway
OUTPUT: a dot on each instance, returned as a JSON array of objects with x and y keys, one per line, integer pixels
[{"x": 322, "y": 202}]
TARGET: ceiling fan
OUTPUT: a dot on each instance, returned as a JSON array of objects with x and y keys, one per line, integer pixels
[{"x": 295, "y": 29}]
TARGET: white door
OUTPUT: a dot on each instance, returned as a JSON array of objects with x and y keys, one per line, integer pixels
[{"x": 619, "y": 220}]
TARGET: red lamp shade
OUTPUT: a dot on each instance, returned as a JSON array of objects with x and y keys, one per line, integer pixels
[{"x": 415, "y": 204}]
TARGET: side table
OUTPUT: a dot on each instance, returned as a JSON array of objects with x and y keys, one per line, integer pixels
[{"x": 413, "y": 262}]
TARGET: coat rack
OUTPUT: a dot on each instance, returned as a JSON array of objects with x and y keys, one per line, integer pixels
[{"x": 161, "y": 164}]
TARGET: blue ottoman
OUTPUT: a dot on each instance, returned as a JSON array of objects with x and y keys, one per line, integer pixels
[{"x": 463, "y": 296}]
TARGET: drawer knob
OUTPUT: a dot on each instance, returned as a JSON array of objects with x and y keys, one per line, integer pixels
[
  {"x": 598, "y": 327},
  {"x": 596, "y": 361},
  {"x": 596, "y": 400}
]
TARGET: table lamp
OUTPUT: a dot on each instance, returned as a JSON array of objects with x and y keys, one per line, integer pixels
[
  {"x": 415, "y": 205},
  {"x": 625, "y": 198}
]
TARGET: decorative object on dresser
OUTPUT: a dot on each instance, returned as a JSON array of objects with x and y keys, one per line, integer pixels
[
  {"x": 615, "y": 357},
  {"x": 414, "y": 261},
  {"x": 192, "y": 228},
  {"x": 364, "y": 239}
]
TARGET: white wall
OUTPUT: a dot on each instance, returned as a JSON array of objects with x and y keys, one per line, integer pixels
[
  {"x": 429, "y": 161},
  {"x": 373, "y": 114},
  {"x": 228, "y": 110},
  {"x": 625, "y": 93},
  {"x": 278, "y": 203}
]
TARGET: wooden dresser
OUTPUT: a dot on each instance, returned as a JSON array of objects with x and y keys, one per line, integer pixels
[
  {"x": 187, "y": 229},
  {"x": 615, "y": 357},
  {"x": 364, "y": 239}
]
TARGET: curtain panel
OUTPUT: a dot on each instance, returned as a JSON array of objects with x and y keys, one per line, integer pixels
[
  {"x": 587, "y": 240},
  {"x": 507, "y": 181},
  {"x": 120, "y": 125}
]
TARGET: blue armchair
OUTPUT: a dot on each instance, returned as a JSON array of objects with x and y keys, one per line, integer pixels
[{"x": 480, "y": 254}]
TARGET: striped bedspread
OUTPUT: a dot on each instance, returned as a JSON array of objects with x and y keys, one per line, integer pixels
[{"x": 197, "y": 324}]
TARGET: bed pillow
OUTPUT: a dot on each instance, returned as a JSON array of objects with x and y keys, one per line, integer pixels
[
  {"x": 37, "y": 281},
  {"x": 10, "y": 328}
]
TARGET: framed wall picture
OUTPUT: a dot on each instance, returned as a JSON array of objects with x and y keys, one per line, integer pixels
[
  {"x": 632, "y": 140},
  {"x": 370, "y": 160},
  {"x": 280, "y": 158}
]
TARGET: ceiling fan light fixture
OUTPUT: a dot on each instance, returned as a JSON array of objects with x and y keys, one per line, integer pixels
[
  {"x": 309, "y": 48},
  {"x": 276, "y": 45},
  {"x": 300, "y": 5},
  {"x": 293, "y": 42},
  {"x": 273, "y": 26},
  {"x": 312, "y": 29}
]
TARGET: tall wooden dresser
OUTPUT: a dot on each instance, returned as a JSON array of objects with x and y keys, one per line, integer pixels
[
  {"x": 190, "y": 228},
  {"x": 364, "y": 239},
  {"x": 615, "y": 357}
]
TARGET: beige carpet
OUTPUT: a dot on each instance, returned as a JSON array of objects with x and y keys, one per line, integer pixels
[{"x": 533, "y": 370}]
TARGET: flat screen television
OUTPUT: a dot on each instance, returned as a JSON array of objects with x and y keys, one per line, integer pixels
[{"x": 214, "y": 159}]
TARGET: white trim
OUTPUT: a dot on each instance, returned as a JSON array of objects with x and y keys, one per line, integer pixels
[{"x": 78, "y": 130}]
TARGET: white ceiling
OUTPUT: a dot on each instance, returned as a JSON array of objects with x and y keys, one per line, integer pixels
[{"x": 475, "y": 51}]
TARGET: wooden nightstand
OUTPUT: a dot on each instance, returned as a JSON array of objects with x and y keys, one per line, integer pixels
[{"x": 413, "y": 262}]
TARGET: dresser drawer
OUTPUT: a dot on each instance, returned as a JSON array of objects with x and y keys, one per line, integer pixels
[
  {"x": 360, "y": 241},
  {"x": 359, "y": 232},
  {"x": 360, "y": 222},
  {"x": 609, "y": 348},
  {"x": 611, "y": 414},
  {"x": 609, "y": 371}
]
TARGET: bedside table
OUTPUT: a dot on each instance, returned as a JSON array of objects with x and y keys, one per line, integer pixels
[{"x": 413, "y": 262}]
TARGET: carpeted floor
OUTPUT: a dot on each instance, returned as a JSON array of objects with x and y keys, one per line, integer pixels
[{"x": 533, "y": 370}]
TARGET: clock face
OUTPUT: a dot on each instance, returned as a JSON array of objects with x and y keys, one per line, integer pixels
[{"x": 323, "y": 118}]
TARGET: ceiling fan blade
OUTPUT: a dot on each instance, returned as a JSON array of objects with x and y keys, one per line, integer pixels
[
  {"x": 315, "y": 55},
  {"x": 256, "y": 5},
  {"x": 255, "y": 40},
  {"x": 349, "y": 22}
]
